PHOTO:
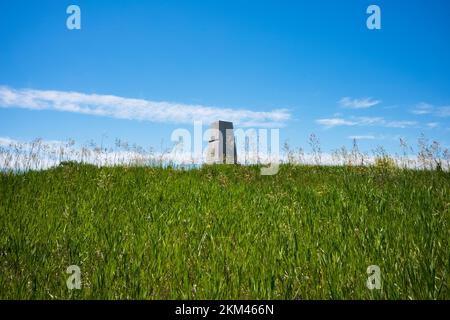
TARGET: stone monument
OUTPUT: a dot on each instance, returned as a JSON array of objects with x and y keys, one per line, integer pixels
[{"x": 221, "y": 144}]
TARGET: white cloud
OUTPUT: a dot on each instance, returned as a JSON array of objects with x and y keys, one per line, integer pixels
[
  {"x": 364, "y": 121},
  {"x": 432, "y": 125},
  {"x": 444, "y": 111},
  {"x": 366, "y": 137},
  {"x": 400, "y": 124},
  {"x": 136, "y": 109},
  {"x": 363, "y": 103},
  {"x": 5, "y": 141},
  {"x": 333, "y": 122},
  {"x": 424, "y": 108}
]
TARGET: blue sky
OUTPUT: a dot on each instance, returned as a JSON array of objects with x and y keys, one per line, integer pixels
[{"x": 308, "y": 67}]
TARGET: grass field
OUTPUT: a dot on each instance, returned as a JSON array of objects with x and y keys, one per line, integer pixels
[{"x": 225, "y": 232}]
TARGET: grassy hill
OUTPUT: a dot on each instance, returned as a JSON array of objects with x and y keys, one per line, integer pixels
[{"x": 225, "y": 232}]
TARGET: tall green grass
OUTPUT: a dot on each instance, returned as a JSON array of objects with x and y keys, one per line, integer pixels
[{"x": 224, "y": 232}]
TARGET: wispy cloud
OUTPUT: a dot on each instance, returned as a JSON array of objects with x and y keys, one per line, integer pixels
[
  {"x": 334, "y": 122},
  {"x": 136, "y": 109},
  {"x": 364, "y": 121},
  {"x": 432, "y": 125},
  {"x": 363, "y": 137},
  {"x": 8, "y": 142},
  {"x": 444, "y": 112},
  {"x": 352, "y": 103},
  {"x": 400, "y": 124},
  {"x": 424, "y": 108}
]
